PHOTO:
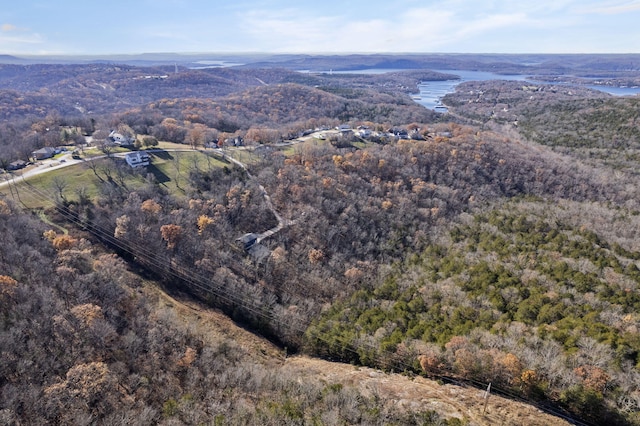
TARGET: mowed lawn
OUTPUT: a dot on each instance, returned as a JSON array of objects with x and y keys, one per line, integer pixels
[{"x": 168, "y": 168}]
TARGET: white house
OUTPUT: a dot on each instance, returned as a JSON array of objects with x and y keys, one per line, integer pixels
[
  {"x": 120, "y": 139},
  {"x": 137, "y": 159},
  {"x": 364, "y": 132}
]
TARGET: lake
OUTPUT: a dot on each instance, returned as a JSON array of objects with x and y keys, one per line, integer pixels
[
  {"x": 617, "y": 91},
  {"x": 214, "y": 64},
  {"x": 430, "y": 92}
]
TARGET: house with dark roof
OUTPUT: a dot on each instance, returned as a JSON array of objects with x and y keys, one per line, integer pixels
[
  {"x": 137, "y": 159},
  {"x": 43, "y": 153},
  {"x": 17, "y": 165},
  {"x": 248, "y": 240}
]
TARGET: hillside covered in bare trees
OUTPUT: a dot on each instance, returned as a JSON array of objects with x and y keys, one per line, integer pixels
[{"x": 497, "y": 243}]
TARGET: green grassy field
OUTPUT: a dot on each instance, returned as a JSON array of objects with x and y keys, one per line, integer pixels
[
  {"x": 169, "y": 169},
  {"x": 242, "y": 155},
  {"x": 72, "y": 178}
]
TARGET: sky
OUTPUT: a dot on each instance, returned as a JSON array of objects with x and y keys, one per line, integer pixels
[{"x": 88, "y": 27}]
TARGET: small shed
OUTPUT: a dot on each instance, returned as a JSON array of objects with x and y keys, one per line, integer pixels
[{"x": 248, "y": 240}]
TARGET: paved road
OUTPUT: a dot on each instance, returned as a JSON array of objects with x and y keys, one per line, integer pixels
[{"x": 43, "y": 166}]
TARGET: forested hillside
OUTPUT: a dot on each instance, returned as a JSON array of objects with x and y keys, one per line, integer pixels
[
  {"x": 50, "y": 105},
  {"x": 595, "y": 127},
  {"x": 284, "y": 109},
  {"x": 85, "y": 341},
  {"x": 498, "y": 243},
  {"x": 377, "y": 240},
  {"x": 75, "y": 90},
  {"x": 523, "y": 296}
]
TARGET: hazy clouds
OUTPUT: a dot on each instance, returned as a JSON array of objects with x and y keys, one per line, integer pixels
[{"x": 137, "y": 26}]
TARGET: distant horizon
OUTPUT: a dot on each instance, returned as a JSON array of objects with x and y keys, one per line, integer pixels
[
  {"x": 341, "y": 61},
  {"x": 258, "y": 53},
  {"x": 213, "y": 54}
]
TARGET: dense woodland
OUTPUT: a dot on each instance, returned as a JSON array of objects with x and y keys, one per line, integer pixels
[
  {"x": 501, "y": 246},
  {"x": 84, "y": 341},
  {"x": 599, "y": 129}
]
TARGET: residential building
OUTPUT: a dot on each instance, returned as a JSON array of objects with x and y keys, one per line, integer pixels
[
  {"x": 120, "y": 139},
  {"x": 137, "y": 159},
  {"x": 17, "y": 165},
  {"x": 43, "y": 153}
]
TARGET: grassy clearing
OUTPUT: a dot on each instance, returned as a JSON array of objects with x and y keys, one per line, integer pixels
[
  {"x": 70, "y": 180},
  {"x": 95, "y": 151},
  {"x": 243, "y": 155},
  {"x": 170, "y": 145},
  {"x": 297, "y": 148},
  {"x": 170, "y": 169}
]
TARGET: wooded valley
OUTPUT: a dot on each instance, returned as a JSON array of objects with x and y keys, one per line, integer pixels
[{"x": 497, "y": 243}]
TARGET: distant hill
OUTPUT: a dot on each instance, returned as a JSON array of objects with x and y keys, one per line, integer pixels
[
  {"x": 8, "y": 59},
  {"x": 612, "y": 65},
  {"x": 276, "y": 106},
  {"x": 580, "y": 64},
  {"x": 74, "y": 90}
]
